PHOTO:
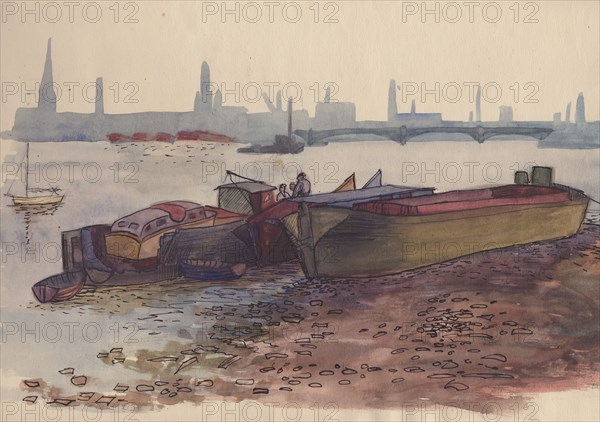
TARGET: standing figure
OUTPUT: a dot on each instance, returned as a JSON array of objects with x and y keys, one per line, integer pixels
[
  {"x": 283, "y": 193},
  {"x": 302, "y": 187}
]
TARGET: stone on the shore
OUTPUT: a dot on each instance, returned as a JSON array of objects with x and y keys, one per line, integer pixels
[
  {"x": 164, "y": 359},
  {"x": 186, "y": 363},
  {"x": 292, "y": 320},
  {"x": 32, "y": 383},
  {"x": 85, "y": 395},
  {"x": 121, "y": 388},
  {"x": 107, "y": 400},
  {"x": 61, "y": 401},
  {"x": 458, "y": 386},
  {"x": 79, "y": 380},
  {"x": 229, "y": 361},
  {"x": 496, "y": 356},
  {"x": 276, "y": 355}
]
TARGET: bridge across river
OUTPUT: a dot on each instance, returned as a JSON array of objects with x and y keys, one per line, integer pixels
[{"x": 402, "y": 134}]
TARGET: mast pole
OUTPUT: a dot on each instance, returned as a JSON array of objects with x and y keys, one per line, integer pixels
[
  {"x": 290, "y": 117},
  {"x": 27, "y": 171}
]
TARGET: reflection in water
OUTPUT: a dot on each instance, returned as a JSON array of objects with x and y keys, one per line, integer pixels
[{"x": 30, "y": 215}]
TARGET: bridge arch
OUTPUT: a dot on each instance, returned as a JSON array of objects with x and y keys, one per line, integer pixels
[{"x": 402, "y": 134}]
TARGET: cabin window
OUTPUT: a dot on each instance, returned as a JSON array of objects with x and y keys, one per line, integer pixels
[
  {"x": 134, "y": 226},
  {"x": 147, "y": 228},
  {"x": 235, "y": 200},
  {"x": 267, "y": 198},
  {"x": 161, "y": 222},
  {"x": 121, "y": 223},
  {"x": 193, "y": 215}
]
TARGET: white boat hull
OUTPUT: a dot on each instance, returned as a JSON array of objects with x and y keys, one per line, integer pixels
[{"x": 37, "y": 200}]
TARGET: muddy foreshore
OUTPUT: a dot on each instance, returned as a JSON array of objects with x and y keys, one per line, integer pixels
[{"x": 494, "y": 326}]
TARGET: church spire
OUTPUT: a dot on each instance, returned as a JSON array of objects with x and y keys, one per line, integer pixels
[{"x": 47, "y": 95}]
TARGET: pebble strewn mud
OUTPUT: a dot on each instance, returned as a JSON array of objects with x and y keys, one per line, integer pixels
[{"x": 485, "y": 327}]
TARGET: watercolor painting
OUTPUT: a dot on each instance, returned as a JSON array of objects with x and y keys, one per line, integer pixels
[{"x": 300, "y": 211}]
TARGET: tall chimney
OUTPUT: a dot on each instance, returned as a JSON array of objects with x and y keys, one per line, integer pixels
[
  {"x": 478, "y": 105},
  {"x": 99, "y": 103},
  {"x": 392, "y": 105}
]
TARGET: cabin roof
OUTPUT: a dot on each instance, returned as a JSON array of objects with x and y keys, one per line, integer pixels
[
  {"x": 358, "y": 194},
  {"x": 173, "y": 210},
  {"x": 140, "y": 218},
  {"x": 176, "y": 209},
  {"x": 252, "y": 187}
]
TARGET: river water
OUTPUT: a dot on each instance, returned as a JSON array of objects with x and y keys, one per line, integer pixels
[{"x": 104, "y": 181}]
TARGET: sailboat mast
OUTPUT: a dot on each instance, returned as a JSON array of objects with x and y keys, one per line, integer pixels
[
  {"x": 27, "y": 171},
  {"x": 290, "y": 118}
]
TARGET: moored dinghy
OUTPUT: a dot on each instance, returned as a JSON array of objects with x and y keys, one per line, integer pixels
[{"x": 59, "y": 287}]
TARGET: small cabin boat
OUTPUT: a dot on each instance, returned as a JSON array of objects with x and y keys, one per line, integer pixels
[
  {"x": 127, "y": 251},
  {"x": 137, "y": 235},
  {"x": 229, "y": 240}
]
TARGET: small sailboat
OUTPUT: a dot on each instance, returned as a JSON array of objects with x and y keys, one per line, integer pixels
[{"x": 35, "y": 196}]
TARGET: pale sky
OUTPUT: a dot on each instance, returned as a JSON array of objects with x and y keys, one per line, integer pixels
[{"x": 538, "y": 66}]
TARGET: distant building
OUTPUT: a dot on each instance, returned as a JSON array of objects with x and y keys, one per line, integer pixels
[
  {"x": 43, "y": 123},
  {"x": 506, "y": 114},
  {"x": 568, "y": 113},
  {"x": 46, "y": 94},
  {"x": 218, "y": 101},
  {"x": 470, "y": 116},
  {"x": 99, "y": 101},
  {"x": 327, "y": 98},
  {"x": 556, "y": 118},
  {"x": 392, "y": 105},
  {"x": 206, "y": 95},
  {"x": 334, "y": 115},
  {"x": 580, "y": 110},
  {"x": 417, "y": 119}
]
